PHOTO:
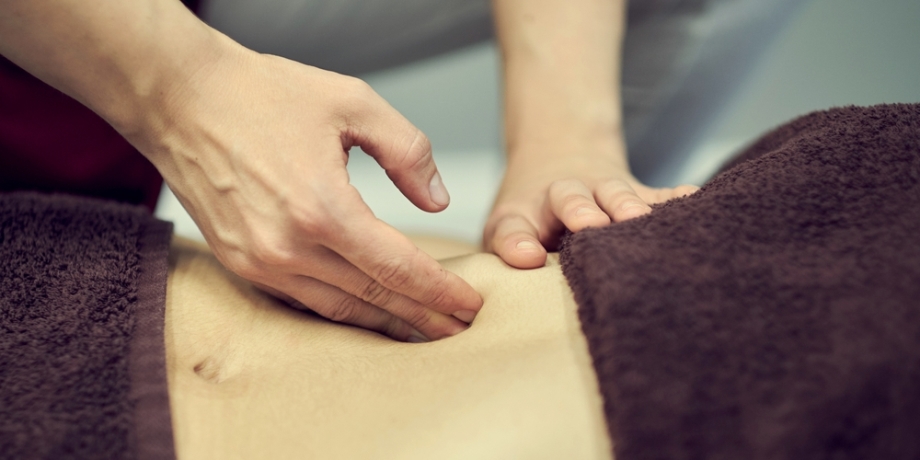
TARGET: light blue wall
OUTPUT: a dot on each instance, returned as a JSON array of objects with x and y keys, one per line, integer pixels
[
  {"x": 835, "y": 52},
  {"x": 454, "y": 99}
]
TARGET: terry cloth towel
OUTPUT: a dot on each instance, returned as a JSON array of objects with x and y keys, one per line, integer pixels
[
  {"x": 774, "y": 314},
  {"x": 82, "y": 296}
]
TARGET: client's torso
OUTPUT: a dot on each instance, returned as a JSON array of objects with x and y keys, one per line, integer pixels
[{"x": 250, "y": 378}]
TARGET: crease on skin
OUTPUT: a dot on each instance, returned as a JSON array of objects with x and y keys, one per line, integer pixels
[{"x": 212, "y": 370}]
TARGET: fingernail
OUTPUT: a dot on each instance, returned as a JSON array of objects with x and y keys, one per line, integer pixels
[
  {"x": 417, "y": 337},
  {"x": 466, "y": 316},
  {"x": 437, "y": 190},
  {"x": 526, "y": 245}
]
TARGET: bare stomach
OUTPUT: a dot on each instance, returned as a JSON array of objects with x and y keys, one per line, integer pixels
[{"x": 252, "y": 378}]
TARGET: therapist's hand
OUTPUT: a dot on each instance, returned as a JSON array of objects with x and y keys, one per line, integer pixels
[
  {"x": 570, "y": 185},
  {"x": 567, "y": 163},
  {"x": 255, "y": 148}
]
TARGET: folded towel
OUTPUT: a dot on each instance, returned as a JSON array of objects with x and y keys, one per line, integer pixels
[
  {"x": 773, "y": 314},
  {"x": 82, "y": 293}
]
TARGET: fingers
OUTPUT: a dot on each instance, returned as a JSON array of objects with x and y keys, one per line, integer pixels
[
  {"x": 401, "y": 149},
  {"x": 394, "y": 263},
  {"x": 516, "y": 231},
  {"x": 620, "y": 201},
  {"x": 517, "y": 242},
  {"x": 573, "y": 204},
  {"x": 332, "y": 303},
  {"x": 336, "y": 271},
  {"x": 682, "y": 191},
  {"x": 407, "y": 295}
]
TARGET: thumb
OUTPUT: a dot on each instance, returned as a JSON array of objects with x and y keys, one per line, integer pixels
[{"x": 402, "y": 150}]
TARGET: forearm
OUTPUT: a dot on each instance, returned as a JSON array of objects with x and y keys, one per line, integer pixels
[
  {"x": 567, "y": 165},
  {"x": 120, "y": 58},
  {"x": 561, "y": 74}
]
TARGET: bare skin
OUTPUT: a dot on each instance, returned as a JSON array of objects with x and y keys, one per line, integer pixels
[
  {"x": 255, "y": 148},
  {"x": 567, "y": 164},
  {"x": 252, "y": 378}
]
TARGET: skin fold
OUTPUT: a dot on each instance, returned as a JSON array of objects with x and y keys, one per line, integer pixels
[{"x": 250, "y": 377}]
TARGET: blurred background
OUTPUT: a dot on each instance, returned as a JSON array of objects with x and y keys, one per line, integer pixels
[{"x": 829, "y": 53}]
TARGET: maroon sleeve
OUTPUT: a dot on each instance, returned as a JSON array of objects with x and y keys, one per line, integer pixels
[{"x": 50, "y": 142}]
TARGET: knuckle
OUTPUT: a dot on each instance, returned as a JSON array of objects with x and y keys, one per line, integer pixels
[
  {"x": 561, "y": 186},
  {"x": 355, "y": 96},
  {"x": 345, "y": 311},
  {"x": 569, "y": 202},
  {"x": 611, "y": 188},
  {"x": 509, "y": 226},
  {"x": 237, "y": 262},
  {"x": 415, "y": 151},
  {"x": 419, "y": 148},
  {"x": 242, "y": 267},
  {"x": 375, "y": 293},
  {"x": 440, "y": 293},
  {"x": 418, "y": 318},
  {"x": 310, "y": 221},
  {"x": 394, "y": 274},
  {"x": 356, "y": 86},
  {"x": 492, "y": 235},
  {"x": 393, "y": 327},
  {"x": 269, "y": 254}
]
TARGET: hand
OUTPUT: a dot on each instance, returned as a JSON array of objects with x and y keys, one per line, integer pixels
[
  {"x": 255, "y": 147},
  {"x": 538, "y": 200},
  {"x": 566, "y": 159}
]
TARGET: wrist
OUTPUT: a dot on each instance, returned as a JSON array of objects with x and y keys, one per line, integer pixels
[
  {"x": 154, "y": 78},
  {"x": 564, "y": 145},
  {"x": 167, "y": 114}
]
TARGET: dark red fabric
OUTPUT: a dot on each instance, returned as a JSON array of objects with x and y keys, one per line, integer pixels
[{"x": 50, "y": 142}]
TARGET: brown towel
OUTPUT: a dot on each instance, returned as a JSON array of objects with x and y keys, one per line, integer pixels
[
  {"x": 82, "y": 292},
  {"x": 775, "y": 314}
]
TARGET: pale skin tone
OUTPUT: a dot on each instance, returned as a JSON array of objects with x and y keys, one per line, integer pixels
[
  {"x": 251, "y": 378},
  {"x": 567, "y": 164},
  {"x": 255, "y": 148}
]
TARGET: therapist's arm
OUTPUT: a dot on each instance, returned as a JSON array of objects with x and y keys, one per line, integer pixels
[
  {"x": 567, "y": 165},
  {"x": 255, "y": 147}
]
